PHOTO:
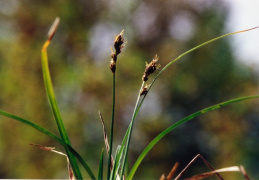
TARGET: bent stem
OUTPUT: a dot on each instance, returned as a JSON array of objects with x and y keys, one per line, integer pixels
[{"x": 52, "y": 99}]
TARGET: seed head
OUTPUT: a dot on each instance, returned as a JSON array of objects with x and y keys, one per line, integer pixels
[
  {"x": 113, "y": 66},
  {"x": 118, "y": 45},
  {"x": 150, "y": 68},
  {"x": 119, "y": 42},
  {"x": 53, "y": 28},
  {"x": 144, "y": 91}
]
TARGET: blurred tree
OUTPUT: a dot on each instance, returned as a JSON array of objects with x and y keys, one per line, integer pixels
[{"x": 79, "y": 62}]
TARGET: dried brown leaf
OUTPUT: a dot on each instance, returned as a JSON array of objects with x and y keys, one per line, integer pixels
[
  {"x": 170, "y": 175},
  {"x": 106, "y": 141},
  {"x": 52, "y": 149},
  {"x": 207, "y": 174}
]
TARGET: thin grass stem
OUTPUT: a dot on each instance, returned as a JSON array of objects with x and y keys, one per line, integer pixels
[
  {"x": 129, "y": 131},
  {"x": 112, "y": 126}
]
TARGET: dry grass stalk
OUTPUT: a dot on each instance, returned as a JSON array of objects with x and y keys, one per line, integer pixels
[
  {"x": 171, "y": 173},
  {"x": 207, "y": 174},
  {"x": 190, "y": 163},
  {"x": 228, "y": 169},
  {"x": 52, "y": 149},
  {"x": 106, "y": 141}
]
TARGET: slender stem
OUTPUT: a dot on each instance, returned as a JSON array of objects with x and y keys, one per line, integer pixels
[
  {"x": 112, "y": 125},
  {"x": 129, "y": 131}
]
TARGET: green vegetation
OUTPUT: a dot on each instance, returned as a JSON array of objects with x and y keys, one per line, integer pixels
[
  {"x": 118, "y": 164},
  {"x": 211, "y": 76}
]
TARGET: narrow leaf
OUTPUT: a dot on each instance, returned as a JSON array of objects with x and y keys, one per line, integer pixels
[
  {"x": 53, "y": 136},
  {"x": 127, "y": 136},
  {"x": 136, "y": 110},
  {"x": 52, "y": 98},
  {"x": 100, "y": 172},
  {"x": 188, "y": 118}
]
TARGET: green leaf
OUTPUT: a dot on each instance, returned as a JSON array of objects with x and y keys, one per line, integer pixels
[
  {"x": 138, "y": 105},
  {"x": 116, "y": 165},
  {"x": 100, "y": 172},
  {"x": 53, "y": 136},
  {"x": 169, "y": 129},
  {"x": 53, "y": 101},
  {"x": 112, "y": 125},
  {"x": 127, "y": 136}
]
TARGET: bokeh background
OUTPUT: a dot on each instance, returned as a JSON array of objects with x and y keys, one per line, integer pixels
[{"x": 79, "y": 62}]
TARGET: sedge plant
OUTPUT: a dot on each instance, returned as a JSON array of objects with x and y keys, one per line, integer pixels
[{"x": 117, "y": 162}]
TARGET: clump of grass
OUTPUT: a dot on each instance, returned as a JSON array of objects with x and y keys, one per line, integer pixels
[{"x": 115, "y": 166}]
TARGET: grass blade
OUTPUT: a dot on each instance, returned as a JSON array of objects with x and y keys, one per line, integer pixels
[
  {"x": 176, "y": 59},
  {"x": 188, "y": 118},
  {"x": 129, "y": 132},
  {"x": 53, "y": 101},
  {"x": 196, "y": 47},
  {"x": 116, "y": 166},
  {"x": 139, "y": 104},
  {"x": 53, "y": 136},
  {"x": 100, "y": 173}
]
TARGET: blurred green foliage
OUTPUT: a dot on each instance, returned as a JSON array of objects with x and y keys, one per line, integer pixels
[{"x": 79, "y": 62}]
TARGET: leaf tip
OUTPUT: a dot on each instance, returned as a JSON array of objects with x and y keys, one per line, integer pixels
[{"x": 53, "y": 28}]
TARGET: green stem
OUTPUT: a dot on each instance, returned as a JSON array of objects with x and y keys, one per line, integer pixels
[
  {"x": 112, "y": 125},
  {"x": 129, "y": 131}
]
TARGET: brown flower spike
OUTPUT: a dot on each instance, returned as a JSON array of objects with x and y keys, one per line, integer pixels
[
  {"x": 150, "y": 68},
  {"x": 118, "y": 45},
  {"x": 144, "y": 91}
]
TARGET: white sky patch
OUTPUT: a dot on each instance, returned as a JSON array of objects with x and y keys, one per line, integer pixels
[
  {"x": 144, "y": 21},
  {"x": 8, "y": 7},
  {"x": 182, "y": 27},
  {"x": 244, "y": 15},
  {"x": 102, "y": 38}
]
